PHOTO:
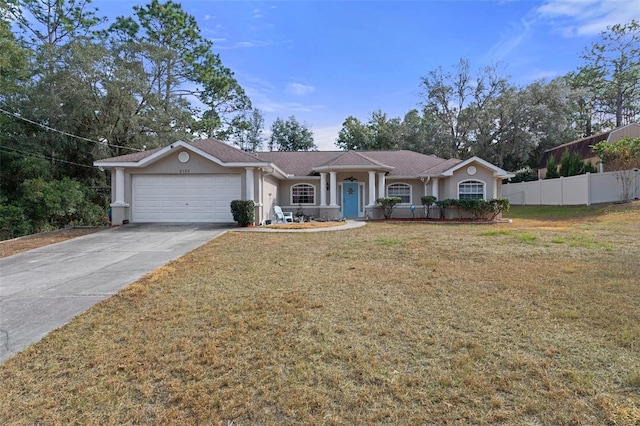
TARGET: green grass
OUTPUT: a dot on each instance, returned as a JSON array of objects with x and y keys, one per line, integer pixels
[
  {"x": 555, "y": 212},
  {"x": 495, "y": 232},
  {"x": 527, "y": 237},
  {"x": 384, "y": 324}
]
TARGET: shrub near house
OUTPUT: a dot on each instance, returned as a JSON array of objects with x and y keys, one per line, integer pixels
[
  {"x": 477, "y": 208},
  {"x": 243, "y": 212}
]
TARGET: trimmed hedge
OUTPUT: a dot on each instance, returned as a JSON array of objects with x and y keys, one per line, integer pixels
[
  {"x": 477, "y": 208},
  {"x": 243, "y": 212},
  {"x": 427, "y": 202},
  {"x": 388, "y": 204}
]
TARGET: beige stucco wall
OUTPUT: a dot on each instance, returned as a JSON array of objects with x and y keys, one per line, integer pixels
[
  {"x": 268, "y": 198},
  {"x": 270, "y": 191},
  {"x": 631, "y": 131},
  {"x": 284, "y": 193},
  {"x": 483, "y": 174},
  {"x": 171, "y": 165}
]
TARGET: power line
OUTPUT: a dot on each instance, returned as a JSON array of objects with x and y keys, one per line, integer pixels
[
  {"x": 44, "y": 126},
  {"x": 42, "y": 157}
]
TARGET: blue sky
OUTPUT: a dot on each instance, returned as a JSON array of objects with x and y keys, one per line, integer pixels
[{"x": 323, "y": 61}]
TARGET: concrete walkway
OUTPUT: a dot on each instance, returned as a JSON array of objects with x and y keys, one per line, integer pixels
[{"x": 44, "y": 288}]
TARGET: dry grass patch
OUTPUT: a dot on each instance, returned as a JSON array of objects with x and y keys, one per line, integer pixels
[
  {"x": 305, "y": 225},
  {"x": 389, "y": 323},
  {"x": 17, "y": 245}
]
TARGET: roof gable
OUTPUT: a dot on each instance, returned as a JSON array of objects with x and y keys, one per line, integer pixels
[
  {"x": 406, "y": 163},
  {"x": 352, "y": 160},
  {"x": 212, "y": 149},
  {"x": 497, "y": 171}
]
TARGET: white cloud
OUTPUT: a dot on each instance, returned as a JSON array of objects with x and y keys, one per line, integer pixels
[
  {"x": 587, "y": 17},
  {"x": 325, "y": 137},
  {"x": 266, "y": 97},
  {"x": 542, "y": 74},
  {"x": 251, "y": 43},
  {"x": 509, "y": 41},
  {"x": 300, "y": 89}
]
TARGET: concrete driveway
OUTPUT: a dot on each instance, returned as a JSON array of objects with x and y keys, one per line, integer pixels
[{"x": 42, "y": 289}]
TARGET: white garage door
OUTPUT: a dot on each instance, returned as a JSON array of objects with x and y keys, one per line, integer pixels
[{"x": 184, "y": 198}]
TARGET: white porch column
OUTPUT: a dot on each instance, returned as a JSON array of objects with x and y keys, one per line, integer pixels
[
  {"x": 333, "y": 190},
  {"x": 495, "y": 188},
  {"x": 249, "y": 183},
  {"x": 323, "y": 189},
  {"x": 119, "y": 186},
  {"x": 434, "y": 188},
  {"x": 372, "y": 188},
  {"x": 381, "y": 184}
]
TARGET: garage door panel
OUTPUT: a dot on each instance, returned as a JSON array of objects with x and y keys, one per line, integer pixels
[{"x": 184, "y": 198}]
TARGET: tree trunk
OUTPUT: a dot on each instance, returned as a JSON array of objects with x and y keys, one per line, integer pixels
[{"x": 619, "y": 99}]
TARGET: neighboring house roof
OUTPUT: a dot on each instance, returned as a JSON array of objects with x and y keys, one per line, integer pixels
[
  {"x": 400, "y": 163},
  {"x": 582, "y": 146}
]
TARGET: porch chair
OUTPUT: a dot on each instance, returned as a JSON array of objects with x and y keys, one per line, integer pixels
[{"x": 281, "y": 216}]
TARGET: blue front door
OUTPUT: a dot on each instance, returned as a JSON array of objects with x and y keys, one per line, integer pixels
[{"x": 350, "y": 199}]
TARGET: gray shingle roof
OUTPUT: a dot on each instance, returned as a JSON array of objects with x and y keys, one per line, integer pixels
[
  {"x": 298, "y": 163},
  {"x": 222, "y": 151},
  {"x": 129, "y": 158},
  {"x": 409, "y": 163},
  {"x": 304, "y": 163}
]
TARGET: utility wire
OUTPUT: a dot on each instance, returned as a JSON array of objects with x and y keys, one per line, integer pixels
[
  {"x": 13, "y": 114},
  {"x": 43, "y": 157}
]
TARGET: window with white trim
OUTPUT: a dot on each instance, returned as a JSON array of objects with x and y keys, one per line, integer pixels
[
  {"x": 471, "y": 190},
  {"x": 303, "y": 193},
  {"x": 401, "y": 190}
]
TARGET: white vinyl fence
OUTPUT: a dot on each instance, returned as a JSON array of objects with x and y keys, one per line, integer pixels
[{"x": 587, "y": 189}]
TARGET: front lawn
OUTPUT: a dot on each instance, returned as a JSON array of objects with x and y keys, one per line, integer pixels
[{"x": 533, "y": 322}]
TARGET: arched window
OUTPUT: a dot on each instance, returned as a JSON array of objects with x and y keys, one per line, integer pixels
[
  {"x": 303, "y": 193},
  {"x": 471, "y": 190},
  {"x": 401, "y": 190}
]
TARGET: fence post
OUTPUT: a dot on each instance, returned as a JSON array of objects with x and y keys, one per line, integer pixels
[
  {"x": 588, "y": 188},
  {"x": 539, "y": 192}
]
